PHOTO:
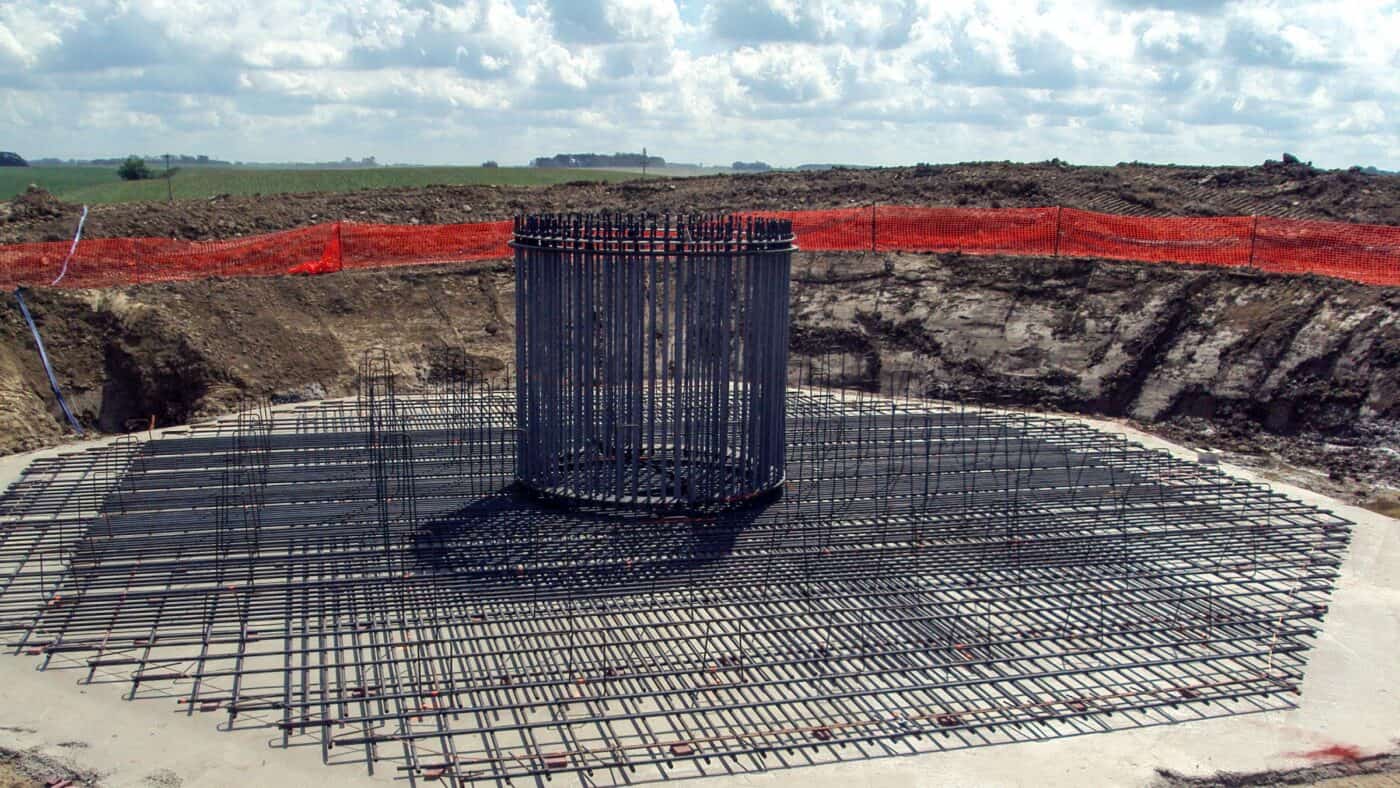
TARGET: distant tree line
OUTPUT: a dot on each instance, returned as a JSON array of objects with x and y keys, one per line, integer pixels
[
  {"x": 815, "y": 167},
  {"x": 181, "y": 160},
  {"x": 201, "y": 160},
  {"x": 347, "y": 163},
  {"x": 750, "y": 166},
  {"x": 598, "y": 160},
  {"x": 11, "y": 159}
]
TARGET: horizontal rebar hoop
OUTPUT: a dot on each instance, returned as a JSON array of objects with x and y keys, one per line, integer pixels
[
  {"x": 629, "y": 234},
  {"x": 651, "y": 358}
]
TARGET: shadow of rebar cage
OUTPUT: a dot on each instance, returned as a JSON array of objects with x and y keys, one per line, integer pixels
[{"x": 364, "y": 576}]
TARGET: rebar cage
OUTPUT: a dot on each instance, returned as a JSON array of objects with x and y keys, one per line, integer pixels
[{"x": 651, "y": 358}]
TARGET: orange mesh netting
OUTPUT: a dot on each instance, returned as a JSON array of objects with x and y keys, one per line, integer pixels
[
  {"x": 1213, "y": 241},
  {"x": 1364, "y": 253},
  {"x": 1027, "y": 231},
  {"x": 104, "y": 262},
  {"x": 376, "y": 245}
]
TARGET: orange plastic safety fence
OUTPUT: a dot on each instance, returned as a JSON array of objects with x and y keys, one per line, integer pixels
[
  {"x": 1214, "y": 240},
  {"x": 104, "y": 262},
  {"x": 898, "y": 228},
  {"x": 834, "y": 230},
  {"x": 1028, "y": 231},
  {"x": 1364, "y": 253},
  {"x": 378, "y": 245}
]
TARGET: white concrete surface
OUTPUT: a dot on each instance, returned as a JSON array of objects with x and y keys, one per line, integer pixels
[
  {"x": 1351, "y": 694},
  {"x": 1349, "y": 698},
  {"x": 133, "y": 743}
]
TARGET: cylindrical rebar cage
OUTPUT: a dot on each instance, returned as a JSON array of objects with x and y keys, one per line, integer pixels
[{"x": 651, "y": 356}]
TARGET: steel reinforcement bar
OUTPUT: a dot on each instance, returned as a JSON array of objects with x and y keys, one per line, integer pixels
[{"x": 362, "y": 576}]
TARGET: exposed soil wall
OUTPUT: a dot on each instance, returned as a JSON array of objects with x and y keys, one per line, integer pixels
[
  {"x": 182, "y": 351},
  {"x": 1304, "y": 369},
  {"x": 1155, "y": 343},
  {"x": 1303, "y": 365}
]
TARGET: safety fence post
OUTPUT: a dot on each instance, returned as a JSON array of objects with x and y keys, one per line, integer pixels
[
  {"x": 334, "y": 260},
  {"x": 873, "y": 245},
  {"x": 1253, "y": 235},
  {"x": 1059, "y": 211}
]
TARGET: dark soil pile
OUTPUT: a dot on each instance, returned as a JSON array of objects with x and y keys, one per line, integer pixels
[
  {"x": 1302, "y": 367},
  {"x": 1275, "y": 189},
  {"x": 35, "y": 207},
  {"x": 1345, "y": 770}
]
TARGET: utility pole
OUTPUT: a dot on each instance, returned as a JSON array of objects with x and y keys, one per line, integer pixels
[
  {"x": 644, "y": 162},
  {"x": 169, "y": 189}
]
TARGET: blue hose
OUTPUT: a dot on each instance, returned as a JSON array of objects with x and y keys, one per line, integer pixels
[{"x": 44, "y": 357}]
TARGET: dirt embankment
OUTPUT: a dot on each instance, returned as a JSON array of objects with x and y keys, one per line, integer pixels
[
  {"x": 186, "y": 350},
  {"x": 1275, "y": 189},
  {"x": 1300, "y": 366},
  {"x": 1154, "y": 343},
  {"x": 1304, "y": 368}
]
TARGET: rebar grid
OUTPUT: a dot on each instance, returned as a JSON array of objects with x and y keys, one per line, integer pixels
[{"x": 361, "y": 576}]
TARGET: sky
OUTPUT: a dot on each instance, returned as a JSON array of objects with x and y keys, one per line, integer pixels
[{"x": 711, "y": 81}]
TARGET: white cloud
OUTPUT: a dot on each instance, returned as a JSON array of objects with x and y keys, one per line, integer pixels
[
  {"x": 786, "y": 74},
  {"x": 879, "y": 23},
  {"x": 614, "y": 21},
  {"x": 877, "y": 81}
]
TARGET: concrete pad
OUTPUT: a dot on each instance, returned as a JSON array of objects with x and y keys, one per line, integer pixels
[
  {"x": 1349, "y": 699},
  {"x": 1350, "y": 696},
  {"x": 132, "y": 743}
]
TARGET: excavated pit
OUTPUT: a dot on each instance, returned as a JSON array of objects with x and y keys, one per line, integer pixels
[{"x": 1286, "y": 370}]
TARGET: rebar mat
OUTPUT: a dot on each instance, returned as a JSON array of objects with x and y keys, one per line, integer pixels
[{"x": 361, "y": 576}]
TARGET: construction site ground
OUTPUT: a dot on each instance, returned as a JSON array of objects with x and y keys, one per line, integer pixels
[
  {"x": 1290, "y": 379},
  {"x": 1342, "y": 734}
]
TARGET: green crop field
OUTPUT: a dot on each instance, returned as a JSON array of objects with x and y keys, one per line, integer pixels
[
  {"x": 101, "y": 185},
  {"x": 58, "y": 180}
]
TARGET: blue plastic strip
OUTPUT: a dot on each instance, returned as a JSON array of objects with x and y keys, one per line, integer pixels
[{"x": 44, "y": 357}]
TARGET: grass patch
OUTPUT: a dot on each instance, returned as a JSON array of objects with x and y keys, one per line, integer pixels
[
  {"x": 101, "y": 185},
  {"x": 56, "y": 180}
]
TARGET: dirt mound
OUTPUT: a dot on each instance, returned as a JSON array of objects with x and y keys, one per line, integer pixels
[
  {"x": 1293, "y": 190},
  {"x": 1299, "y": 366},
  {"x": 33, "y": 207}
]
